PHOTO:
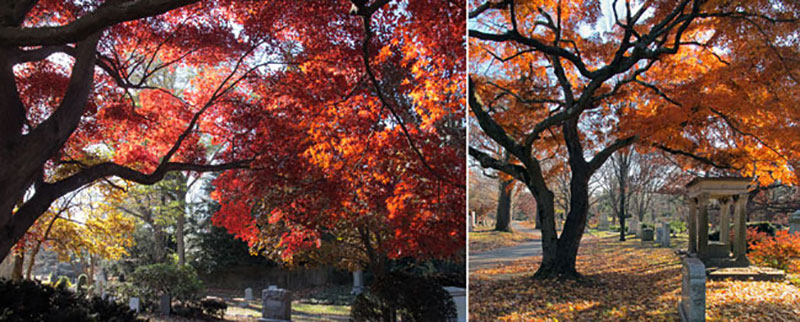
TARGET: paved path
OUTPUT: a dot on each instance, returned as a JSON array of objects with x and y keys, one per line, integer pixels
[{"x": 506, "y": 255}]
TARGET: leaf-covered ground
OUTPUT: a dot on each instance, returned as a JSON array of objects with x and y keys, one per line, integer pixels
[
  {"x": 625, "y": 281},
  {"x": 485, "y": 239}
]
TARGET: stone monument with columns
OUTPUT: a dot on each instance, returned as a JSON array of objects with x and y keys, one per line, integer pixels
[{"x": 731, "y": 195}]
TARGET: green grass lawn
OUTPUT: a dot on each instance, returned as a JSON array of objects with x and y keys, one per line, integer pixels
[{"x": 300, "y": 311}]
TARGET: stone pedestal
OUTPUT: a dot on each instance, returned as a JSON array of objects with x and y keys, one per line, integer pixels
[
  {"x": 164, "y": 304},
  {"x": 276, "y": 305},
  {"x": 459, "y": 296},
  {"x": 692, "y": 307},
  {"x": 794, "y": 222}
]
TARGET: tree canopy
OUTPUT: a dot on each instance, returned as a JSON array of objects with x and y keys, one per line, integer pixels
[
  {"x": 327, "y": 112},
  {"x": 712, "y": 82}
]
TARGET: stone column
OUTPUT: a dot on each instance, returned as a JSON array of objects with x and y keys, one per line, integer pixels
[
  {"x": 740, "y": 228},
  {"x": 702, "y": 226},
  {"x": 692, "y": 221},
  {"x": 725, "y": 221}
]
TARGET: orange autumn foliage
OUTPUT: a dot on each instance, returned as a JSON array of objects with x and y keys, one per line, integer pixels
[
  {"x": 781, "y": 251},
  {"x": 337, "y": 116}
]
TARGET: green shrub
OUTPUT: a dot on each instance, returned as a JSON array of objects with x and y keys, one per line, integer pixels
[
  {"x": 677, "y": 226},
  {"x": 180, "y": 282},
  {"x": 414, "y": 298},
  {"x": 32, "y": 301}
]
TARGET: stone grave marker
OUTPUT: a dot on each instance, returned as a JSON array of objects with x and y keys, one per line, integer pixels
[
  {"x": 647, "y": 234},
  {"x": 358, "y": 282},
  {"x": 794, "y": 222},
  {"x": 665, "y": 234},
  {"x": 248, "y": 294},
  {"x": 276, "y": 305},
  {"x": 459, "y": 296},
  {"x": 135, "y": 304},
  {"x": 692, "y": 307},
  {"x": 164, "y": 304},
  {"x": 603, "y": 225}
]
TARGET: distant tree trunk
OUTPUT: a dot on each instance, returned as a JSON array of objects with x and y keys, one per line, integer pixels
[
  {"x": 622, "y": 160},
  {"x": 19, "y": 261},
  {"x": 179, "y": 238},
  {"x": 159, "y": 236},
  {"x": 503, "y": 219}
]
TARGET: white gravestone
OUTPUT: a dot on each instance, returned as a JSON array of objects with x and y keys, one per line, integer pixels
[
  {"x": 692, "y": 307},
  {"x": 358, "y": 282},
  {"x": 135, "y": 304},
  {"x": 248, "y": 294},
  {"x": 276, "y": 305},
  {"x": 459, "y": 296}
]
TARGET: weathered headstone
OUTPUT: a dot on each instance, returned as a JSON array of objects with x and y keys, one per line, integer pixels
[
  {"x": 633, "y": 226},
  {"x": 164, "y": 304},
  {"x": 135, "y": 304},
  {"x": 658, "y": 234},
  {"x": 459, "y": 296},
  {"x": 664, "y": 228},
  {"x": 692, "y": 307},
  {"x": 358, "y": 282},
  {"x": 248, "y": 294},
  {"x": 794, "y": 222},
  {"x": 647, "y": 234},
  {"x": 472, "y": 221},
  {"x": 276, "y": 305},
  {"x": 603, "y": 225}
]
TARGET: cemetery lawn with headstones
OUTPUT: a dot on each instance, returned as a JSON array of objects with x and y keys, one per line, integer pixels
[{"x": 622, "y": 281}]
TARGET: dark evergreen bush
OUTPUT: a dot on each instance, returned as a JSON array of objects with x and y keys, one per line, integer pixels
[
  {"x": 32, "y": 301},
  {"x": 413, "y": 298}
]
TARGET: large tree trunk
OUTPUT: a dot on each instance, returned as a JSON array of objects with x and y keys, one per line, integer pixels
[
  {"x": 562, "y": 257},
  {"x": 503, "y": 217}
]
